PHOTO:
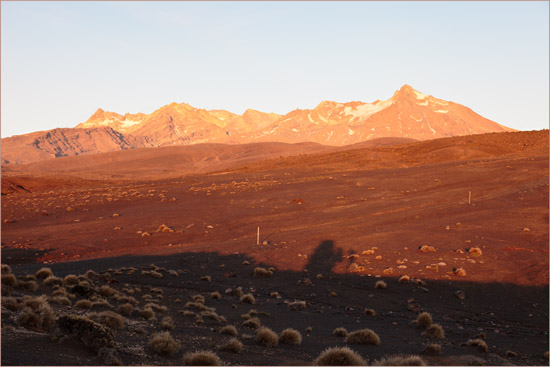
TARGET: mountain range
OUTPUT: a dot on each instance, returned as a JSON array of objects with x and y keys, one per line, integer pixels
[{"x": 407, "y": 114}]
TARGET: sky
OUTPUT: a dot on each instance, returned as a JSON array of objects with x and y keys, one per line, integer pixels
[{"x": 61, "y": 61}]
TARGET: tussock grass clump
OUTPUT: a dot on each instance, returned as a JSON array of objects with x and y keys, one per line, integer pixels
[
  {"x": 404, "y": 279},
  {"x": 215, "y": 295},
  {"x": 101, "y": 303},
  {"x": 252, "y": 323},
  {"x": 164, "y": 343},
  {"x": 83, "y": 303},
  {"x": 245, "y": 262},
  {"x": 363, "y": 336},
  {"x": 187, "y": 313},
  {"x": 290, "y": 336},
  {"x": 510, "y": 353},
  {"x": 297, "y": 305},
  {"x": 107, "y": 291},
  {"x": 198, "y": 298},
  {"x": 380, "y": 285},
  {"x": 229, "y": 330},
  {"x": 156, "y": 307},
  {"x": 460, "y": 272},
  {"x": 370, "y": 312},
  {"x": 426, "y": 248},
  {"x": 92, "y": 275},
  {"x": 207, "y": 278},
  {"x": 29, "y": 285},
  {"x": 424, "y": 320},
  {"x": 44, "y": 273},
  {"x": 70, "y": 279},
  {"x": 262, "y": 273},
  {"x": 167, "y": 323},
  {"x": 199, "y": 306},
  {"x": 147, "y": 313},
  {"x": 92, "y": 334},
  {"x": 9, "y": 280},
  {"x": 6, "y": 269},
  {"x": 202, "y": 358},
  {"x": 475, "y": 251},
  {"x": 248, "y": 298},
  {"x": 340, "y": 331},
  {"x": 52, "y": 280},
  {"x": 109, "y": 319},
  {"x": 232, "y": 346},
  {"x": 479, "y": 343},
  {"x": 434, "y": 331},
  {"x": 274, "y": 294},
  {"x": 545, "y": 354},
  {"x": 433, "y": 348},
  {"x": 12, "y": 303},
  {"x": 266, "y": 336},
  {"x": 37, "y": 314},
  {"x": 126, "y": 309},
  {"x": 339, "y": 357},
  {"x": 401, "y": 360}
]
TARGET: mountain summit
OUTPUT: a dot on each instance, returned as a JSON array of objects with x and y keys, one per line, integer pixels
[{"x": 408, "y": 113}]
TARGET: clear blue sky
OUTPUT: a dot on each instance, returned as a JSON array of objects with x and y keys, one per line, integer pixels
[{"x": 63, "y": 60}]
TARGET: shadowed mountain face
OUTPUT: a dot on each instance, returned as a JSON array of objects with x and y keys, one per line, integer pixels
[{"x": 407, "y": 114}]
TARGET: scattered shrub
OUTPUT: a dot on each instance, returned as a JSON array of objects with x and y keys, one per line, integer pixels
[
  {"x": 274, "y": 294},
  {"x": 126, "y": 309},
  {"x": 108, "y": 318},
  {"x": 297, "y": 305},
  {"x": 156, "y": 307},
  {"x": 164, "y": 343},
  {"x": 52, "y": 280},
  {"x": 426, "y": 248},
  {"x": 44, "y": 273},
  {"x": 424, "y": 320},
  {"x": 380, "y": 284},
  {"x": 248, "y": 298},
  {"x": 339, "y": 357},
  {"x": 83, "y": 303},
  {"x": 434, "y": 331},
  {"x": 246, "y": 262},
  {"x": 12, "y": 303},
  {"x": 60, "y": 300},
  {"x": 252, "y": 323},
  {"x": 147, "y": 313},
  {"x": 9, "y": 280},
  {"x": 510, "y": 353},
  {"x": 460, "y": 272},
  {"x": 340, "y": 331},
  {"x": 215, "y": 295},
  {"x": 479, "y": 343},
  {"x": 401, "y": 360},
  {"x": 363, "y": 336},
  {"x": 232, "y": 346},
  {"x": 90, "y": 333},
  {"x": 370, "y": 312},
  {"x": 229, "y": 330},
  {"x": 30, "y": 285},
  {"x": 202, "y": 358},
  {"x": 290, "y": 336},
  {"x": 262, "y": 273},
  {"x": 207, "y": 278},
  {"x": 106, "y": 291},
  {"x": 167, "y": 323},
  {"x": 266, "y": 336},
  {"x": 101, "y": 303},
  {"x": 37, "y": 314},
  {"x": 475, "y": 251},
  {"x": 433, "y": 348},
  {"x": 404, "y": 279},
  {"x": 6, "y": 269}
]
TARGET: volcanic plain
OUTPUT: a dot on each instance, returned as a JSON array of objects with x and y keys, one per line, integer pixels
[{"x": 456, "y": 227}]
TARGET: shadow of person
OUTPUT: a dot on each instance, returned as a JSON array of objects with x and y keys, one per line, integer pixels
[{"x": 324, "y": 258}]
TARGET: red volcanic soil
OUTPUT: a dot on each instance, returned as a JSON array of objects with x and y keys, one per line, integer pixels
[{"x": 351, "y": 215}]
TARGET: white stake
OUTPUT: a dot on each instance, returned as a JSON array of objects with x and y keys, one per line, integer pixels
[
  {"x": 469, "y": 197},
  {"x": 258, "y": 237}
]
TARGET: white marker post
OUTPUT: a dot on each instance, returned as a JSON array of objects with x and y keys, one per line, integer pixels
[
  {"x": 258, "y": 237},
  {"x": 469, "y": 197}
]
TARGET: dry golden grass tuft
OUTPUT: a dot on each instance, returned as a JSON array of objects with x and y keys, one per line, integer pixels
[
  {"x": 332, "y": 294},
  {"x": 290, "y": 336},
  {"x": 434, "y": 331},
  {"x": 510, "y": 353},
  {"x": 460, "y": 272},
  {"x": 404, "y": 279},
  {"x": 475, "y": 251},
  {"x": 207, "y": 278},
  {"x": 37, "y": 314},
  {"x": 6, "y": 269},
  {"x": 340, "y": 331},
  {"x": 297, "y": 305},
  {"x": 339, "y": 357},
  {"x": 215, "y": 295},
  {"x": 479, "y": 343},
  {"x": 432, "y": 348},
  {"x": 274, "y": 294},
  {"x": 52, "y": 280},
  {"x": 70, "y": 279},
  {"x": 105, "y": 290},
  {"x": 426, "y": 248},
  {"x": 380, "y": 284},
  {"x": 401, "y": 360},
  {"x": 108, "y": 318},
  {"x": 262, "y": 273},
  {"x": 232, "y": 346},
  {"x": 126, "y": 309},
  {"x": 363, "y": 336},
  {"x": 9, "y": 280},
  {"x": 60, "y": 300},
  {"x": 30, "y": 285},
  {"x": 164, "y": 343},
  {"x": 44, "y": 273},
  {"x": 147, "y": 313},
  {"x": 248, "y": 298},
  {"x": 245, "y": 262},
  {"x": 202, "y": 358},
  {"x": 83, "y": 303},
  {"x": 229, "y": 330},
  {"x": 424, "y": 320},
  {"x": 252, "y": 323},
  {"x": 370, "y": 312},
  {"x": 266, "y": 336}
]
